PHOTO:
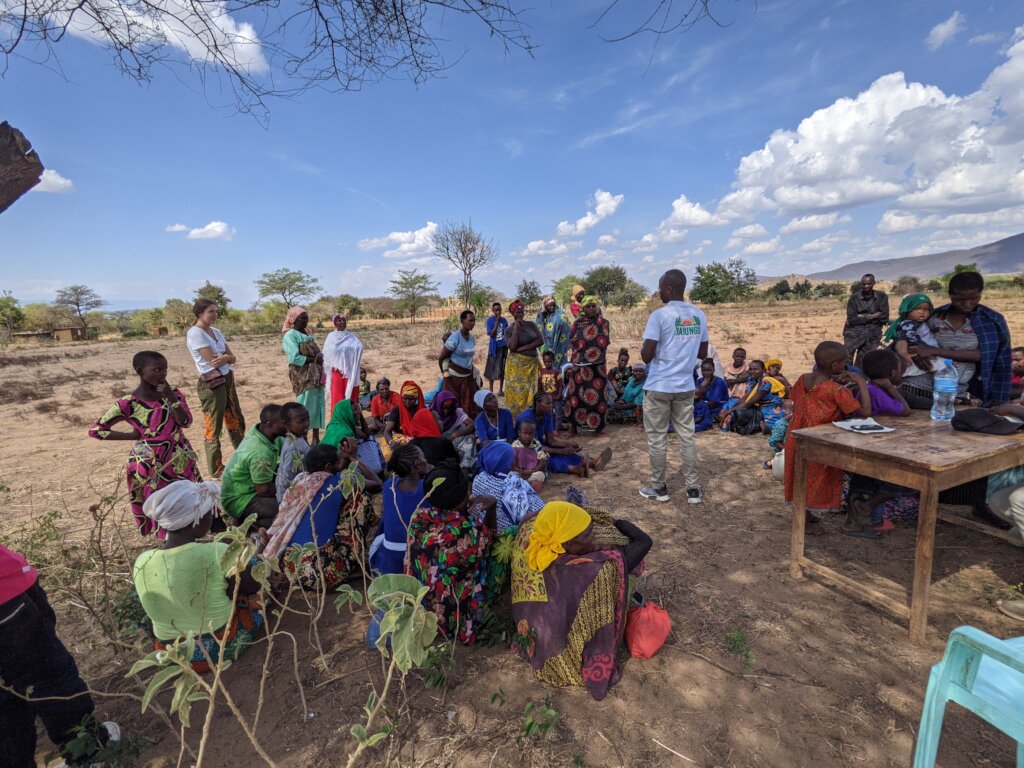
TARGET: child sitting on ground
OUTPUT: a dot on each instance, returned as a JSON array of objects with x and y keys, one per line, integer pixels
[
  {"x": 628, "y": 405},
  {"x": 868, "y": 496},
  {"x": 550, "y": 383},
  {"x": 531, "y": 460},
  {"x": 773, "y": 372},
  {"x": 1016, "y": 373},
  {"x": 821, "y": 397},
  {"x": 911, "y": 329},
  {"x": 365, "y": 394},
  {"x": 619, "y": 376},
  {"x": 634, "y": 394}
]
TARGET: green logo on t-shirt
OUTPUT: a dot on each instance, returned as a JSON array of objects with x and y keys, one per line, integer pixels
[{"x": 688, "y": 327}]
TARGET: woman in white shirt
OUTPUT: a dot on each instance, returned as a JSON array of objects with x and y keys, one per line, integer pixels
[{"x": 216, "y": 364}]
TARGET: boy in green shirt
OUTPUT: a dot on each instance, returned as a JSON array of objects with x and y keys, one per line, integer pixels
[{"x": 247, "y": 486}]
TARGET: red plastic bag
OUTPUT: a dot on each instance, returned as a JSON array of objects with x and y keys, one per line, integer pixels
[{"x": 647, "y": 628}]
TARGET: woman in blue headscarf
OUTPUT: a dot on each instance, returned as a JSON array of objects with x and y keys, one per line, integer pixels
[
  {"x": 516, "y": 499},
  {"x": 555, "y": 329}
]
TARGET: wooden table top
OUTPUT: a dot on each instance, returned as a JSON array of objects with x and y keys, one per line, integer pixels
[{"x": 918, "y": 443}]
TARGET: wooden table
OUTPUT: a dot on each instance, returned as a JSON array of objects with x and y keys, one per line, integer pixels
[{"x": 921, "y": 454}]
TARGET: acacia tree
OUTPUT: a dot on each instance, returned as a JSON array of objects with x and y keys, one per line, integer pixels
[
  {"x": 410, "y": 289},
  {"x": 78, "y": 300},
  {"x": 716, "y": 283},
  {"x": 528, "y": 292},
  {"x": 11, "y": 316},
  {"x": 291, "y": 285},
  {"x": 215, "y": 294},
  {"x": 465, "y": 249}
]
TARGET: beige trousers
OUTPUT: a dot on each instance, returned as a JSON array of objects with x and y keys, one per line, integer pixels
[{"x": 659, "y": 409}]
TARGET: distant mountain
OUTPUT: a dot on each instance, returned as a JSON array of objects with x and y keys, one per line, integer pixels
[{"x": 1000, "y": 257}]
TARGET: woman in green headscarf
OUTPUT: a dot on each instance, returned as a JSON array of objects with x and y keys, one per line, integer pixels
[
  {"x": 911, "y": 329},
  {"x": 344, "y": 423},
  {"x": 588, "y": 344}
]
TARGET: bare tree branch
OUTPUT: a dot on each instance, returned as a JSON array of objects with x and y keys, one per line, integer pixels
[
  {"x": 281, "y": 49},
  {"x": 466, "y": 250}
]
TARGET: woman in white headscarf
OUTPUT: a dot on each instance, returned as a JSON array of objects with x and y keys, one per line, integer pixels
[
  {"x": 182, "y": 585},
  {"x": 343, "y": 354}
]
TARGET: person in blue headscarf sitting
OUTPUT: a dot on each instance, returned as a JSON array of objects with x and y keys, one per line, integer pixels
[{"x": 516, "y": 499}]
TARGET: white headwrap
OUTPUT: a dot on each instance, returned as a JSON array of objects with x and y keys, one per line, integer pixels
[{"x": 182, "y": 504}]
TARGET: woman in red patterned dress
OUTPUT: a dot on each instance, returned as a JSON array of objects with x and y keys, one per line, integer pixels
[{"x": 588, "y": 345}]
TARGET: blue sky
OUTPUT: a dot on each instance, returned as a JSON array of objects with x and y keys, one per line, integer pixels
[{"x": 799, "y": 136}]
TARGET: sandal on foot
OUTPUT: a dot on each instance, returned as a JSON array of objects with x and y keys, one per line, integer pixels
[
  {"x": 766, "y": 464},
  {"x": 885, "y": 526},
  {"x": 603, "y": 459}
]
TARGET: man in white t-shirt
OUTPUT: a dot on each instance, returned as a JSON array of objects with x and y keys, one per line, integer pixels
[{"x": 675, "y": 342}]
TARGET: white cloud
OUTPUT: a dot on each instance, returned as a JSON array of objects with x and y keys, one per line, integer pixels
[
  {"x": 53, "y": 183},
  {"x": 823, "y": 244},
  {"x": 176, "y": 25},
  {"x": 215, "y": 230},
  {"x": 933, "y": 159},
  {"x": 550, "y": 247},
  {"x": 750, "y": 231},
  {"x": 686, "y": 213},
  {"x": 408, "y": 244},
  {"x": 646, "y": 244},
  {"x": 602, "y": 205},
  {"x": 945, "y": 31},
  {"x": 813, "y": 223},
  {"x": 608, "y": 239},
  {"x": 895, "y": 222},
  {"x": 598, "y": 254},
  {"x": 762, "y": 247},
  {"x": 988, "y": 37}
]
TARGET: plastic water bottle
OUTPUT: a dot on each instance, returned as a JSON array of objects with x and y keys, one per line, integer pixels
[{"x": 944, "y": 387}]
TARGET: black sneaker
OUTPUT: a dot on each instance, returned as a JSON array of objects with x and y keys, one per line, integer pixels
[
  {"x": 693, "y": 496},
  {"x": 658, "y": 494}
]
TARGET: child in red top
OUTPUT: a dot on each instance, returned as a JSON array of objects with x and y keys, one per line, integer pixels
[
  {"x": 550, "y": 383},
  {"x": 821, "y": 397},
  {"x": 381, "y": 405}
]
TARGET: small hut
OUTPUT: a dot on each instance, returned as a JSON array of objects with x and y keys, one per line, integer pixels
[{"x": 69, "y": 334}]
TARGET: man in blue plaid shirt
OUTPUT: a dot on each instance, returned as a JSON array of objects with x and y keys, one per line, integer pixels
[{"x": 991, "y": 355}]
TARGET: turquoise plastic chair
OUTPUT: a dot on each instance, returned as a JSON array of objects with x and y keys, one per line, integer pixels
[{"x": 983, "y": 674}]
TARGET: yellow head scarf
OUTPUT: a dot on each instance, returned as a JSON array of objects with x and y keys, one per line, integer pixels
[
  {"x": 576, "y": 289},
  {"x": 590, "y": 299},
  {"x": 774, "y": 361},
  {"x": 556, "y": 524}
]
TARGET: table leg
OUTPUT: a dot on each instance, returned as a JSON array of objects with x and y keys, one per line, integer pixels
[
  {"x": 796, "y": 544},
  {"x": 926, "y": 517}
]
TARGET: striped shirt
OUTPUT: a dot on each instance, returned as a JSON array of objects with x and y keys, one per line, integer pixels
[{"x": 948, "y": 337}]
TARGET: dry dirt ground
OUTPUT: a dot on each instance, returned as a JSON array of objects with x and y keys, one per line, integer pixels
[{"x": 828, "y": 681}]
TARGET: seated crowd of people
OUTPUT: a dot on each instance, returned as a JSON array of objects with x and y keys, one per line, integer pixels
[{"x": 460, "y": 476}]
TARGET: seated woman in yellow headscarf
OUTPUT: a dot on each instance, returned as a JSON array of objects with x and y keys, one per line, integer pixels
[{"x": 569, "y": 594}]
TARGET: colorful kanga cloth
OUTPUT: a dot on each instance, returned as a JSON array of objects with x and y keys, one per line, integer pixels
[
  {"x": 828, "y": 401},
  {"x": 571, "y": 616},
  {"x": 242, "y": 630},
  {"x": 161, "y": 456},
  {"x": 448, "y": 553},
  {"x": 588, "y": 379}
]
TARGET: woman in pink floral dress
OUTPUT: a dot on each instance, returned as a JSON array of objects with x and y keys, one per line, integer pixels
[{"x": 160, "y": 454}]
